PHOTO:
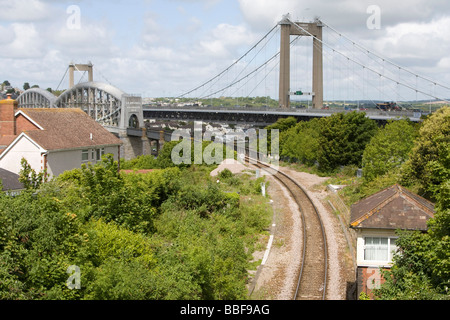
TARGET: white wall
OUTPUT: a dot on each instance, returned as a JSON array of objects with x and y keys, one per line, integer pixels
[
  {"x": 58, "y": 162},
  {"x": 24, "y": 148}
]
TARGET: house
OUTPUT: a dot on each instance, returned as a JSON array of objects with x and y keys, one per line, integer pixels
[
  {"x": 53, "y": 139},
  {"x": 10, "y": 182},
  {"x": 375, "y": 220}
]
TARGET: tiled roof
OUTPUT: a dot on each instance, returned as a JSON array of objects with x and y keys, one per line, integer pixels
[
  {"x": 392, "y": 208},
  {"x": 68, "y": 128}
]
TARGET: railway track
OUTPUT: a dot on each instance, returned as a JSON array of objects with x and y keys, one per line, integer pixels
[{"x": 312, "y": 276}]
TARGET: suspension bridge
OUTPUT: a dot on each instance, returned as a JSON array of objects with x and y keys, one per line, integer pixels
[{"x": 309, "y": 64}]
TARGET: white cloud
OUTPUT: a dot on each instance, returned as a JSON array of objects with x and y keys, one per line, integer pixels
[
  {"x": 89, "y": 40},
  {"x": 347, "y": 15},
  {"x": 417, "y": 41},
  {"x": 25, "y": 43},
  {"x": 225, "y": 39},
  {"x": 177, "y": 49},
  {"x": 24, "y": 10}
]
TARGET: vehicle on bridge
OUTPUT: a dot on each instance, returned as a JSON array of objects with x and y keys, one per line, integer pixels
[{"x": 389, "y": 106}]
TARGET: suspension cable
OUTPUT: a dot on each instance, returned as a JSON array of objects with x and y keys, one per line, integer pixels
[
  {"x": 236, "y": 62},
  {"x": 249, "y": 74},
  {"x": 362, "y": 65},
  {"x": 57, "y": 88},
  {"x": 387, "y": 60}
]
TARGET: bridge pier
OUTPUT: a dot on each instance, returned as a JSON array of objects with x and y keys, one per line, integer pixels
[{"x": 134, "y": 146}]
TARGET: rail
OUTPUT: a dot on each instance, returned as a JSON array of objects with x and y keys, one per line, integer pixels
[{"x": 313, "y": 281}]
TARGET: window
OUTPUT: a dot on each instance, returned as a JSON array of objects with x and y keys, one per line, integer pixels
[
  {"x": 99, "y": 154},
  {"x": 379, "y": 249},
  {"x": 85, "y": 155}
]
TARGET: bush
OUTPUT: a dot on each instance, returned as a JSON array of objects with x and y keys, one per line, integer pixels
[{"x": 225, "y": 174}]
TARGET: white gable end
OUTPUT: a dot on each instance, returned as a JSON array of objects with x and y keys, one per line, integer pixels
[{"x": 22, "y": 147}]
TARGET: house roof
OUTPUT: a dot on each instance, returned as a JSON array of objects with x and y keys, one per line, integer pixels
[
  {"x": 67, "y": 128},
  {"x": 392, "y": 208},
  {"x": 10, "y": 180}
]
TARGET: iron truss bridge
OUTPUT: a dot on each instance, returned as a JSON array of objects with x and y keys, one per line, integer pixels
[{"x": 106, "y": 104}]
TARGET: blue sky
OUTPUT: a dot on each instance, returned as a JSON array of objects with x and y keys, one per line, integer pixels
[{"x": 164, "y": 48}]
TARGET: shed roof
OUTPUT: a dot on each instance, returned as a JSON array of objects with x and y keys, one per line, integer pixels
[
  {"x": 392, "y": 208},
  {"x": 10, "y": 180}
]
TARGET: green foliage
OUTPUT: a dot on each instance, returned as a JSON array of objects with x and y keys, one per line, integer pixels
[
  {"x": 343, "y": 138},
  {"x": 430, "y": 158},
  {"x": 363, "y": 296},
  {"x": 301, "y": 142},
  {"x": 225, "y": 174},
  {"x": 167, "y": 234},
  {"x": 421, "y": 270},
  {"x": 139, "y": 163},
  {"x": 283, "y": 124},
  {"x": 29, "y": 177},
  {"x": 388, "y": 149}
]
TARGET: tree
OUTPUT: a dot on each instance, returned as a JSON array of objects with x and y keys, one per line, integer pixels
[
  {"x": 301, "y": 143},
  {"x": 343, "y": 138},
  {"x": 422, "y": 269},
  {"x": 429, "y": 163},
  {"x": 29, "y": 177},
  {"x": 26, "y": 86},
  {"x": 388, "y": 149},
  {"x": 283, "y": 124}
]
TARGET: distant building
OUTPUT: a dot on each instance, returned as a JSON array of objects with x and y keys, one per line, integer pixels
[
  {"x": 53, "y": 139},
  {"x": 375, "y": 219}
]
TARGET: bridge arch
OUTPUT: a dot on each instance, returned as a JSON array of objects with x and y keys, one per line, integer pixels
[
  {"x": 102, "y": 102},
  {"x": 37, "y": 98}
]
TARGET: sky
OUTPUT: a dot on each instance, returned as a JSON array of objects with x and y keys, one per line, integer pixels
[{"x": 166, "y": 47}]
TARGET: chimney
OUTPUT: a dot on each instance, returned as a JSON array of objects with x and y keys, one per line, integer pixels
[{"x": 8, "y": 109}]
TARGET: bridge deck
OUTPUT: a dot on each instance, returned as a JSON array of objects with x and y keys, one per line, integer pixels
[{"x": 262, "y": 116}]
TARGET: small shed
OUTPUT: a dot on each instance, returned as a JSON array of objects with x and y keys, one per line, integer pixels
[
  {"x": 10, "y": 182},
  {"x": 375, "y": 220}
]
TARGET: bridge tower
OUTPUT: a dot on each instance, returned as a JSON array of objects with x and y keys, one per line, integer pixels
[
  {"x": 80, "y": 67},
  {"x": 287, "y": 30}
]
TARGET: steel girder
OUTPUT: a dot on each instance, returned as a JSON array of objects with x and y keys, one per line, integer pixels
[{"x": 37, "y": 98}]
